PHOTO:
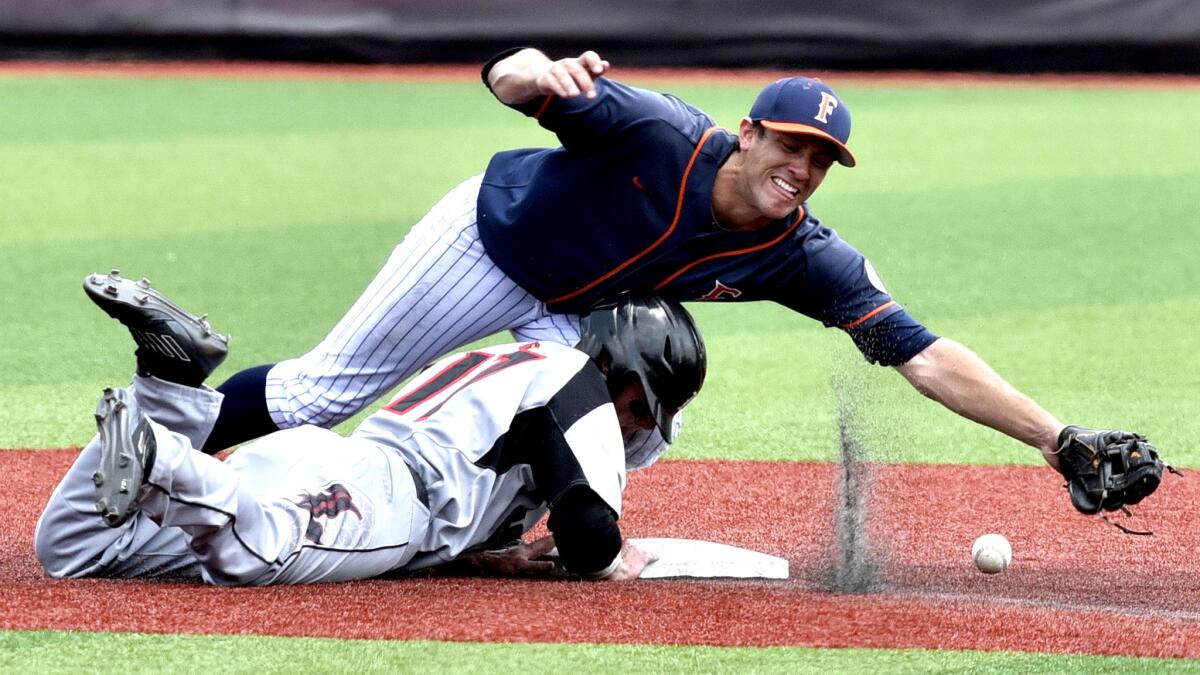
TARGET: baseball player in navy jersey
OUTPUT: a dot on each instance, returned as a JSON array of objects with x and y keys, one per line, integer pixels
[
  {"x": 472, "y": 451},
  {"x": 645, "y": 194}
]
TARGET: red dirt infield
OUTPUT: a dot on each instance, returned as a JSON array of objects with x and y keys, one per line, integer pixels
[{"x": 1076, "y": 584}]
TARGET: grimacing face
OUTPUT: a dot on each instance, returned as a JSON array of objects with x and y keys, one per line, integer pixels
[
  {"x": 780, "y": 171},
  {"x": 633, "y": 412}
]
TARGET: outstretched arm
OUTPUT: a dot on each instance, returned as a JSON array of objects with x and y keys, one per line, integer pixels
[
  {"x": 954, "y": 376},
  {"x": 529, "y": 73}
]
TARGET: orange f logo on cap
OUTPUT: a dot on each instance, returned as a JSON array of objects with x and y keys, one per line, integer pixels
[
  {"x": 828, "y": 103},
  {"x": 787, "y": 105}
]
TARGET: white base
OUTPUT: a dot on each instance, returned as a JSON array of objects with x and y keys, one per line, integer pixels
[{"x": 693, "y": 558}]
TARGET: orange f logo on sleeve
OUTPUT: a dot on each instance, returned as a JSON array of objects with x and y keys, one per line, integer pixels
[{"x": 828, "y": 104}]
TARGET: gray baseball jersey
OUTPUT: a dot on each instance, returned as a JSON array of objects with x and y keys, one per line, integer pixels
[{"x": 497, "y": 435}]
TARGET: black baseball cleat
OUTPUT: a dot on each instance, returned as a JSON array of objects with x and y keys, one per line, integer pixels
[
  {"x": 173, "y": 344},
  {"x": 127, "y": 450}
]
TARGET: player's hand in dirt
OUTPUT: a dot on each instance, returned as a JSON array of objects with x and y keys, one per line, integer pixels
[
  {"x": 633, "y": 561},
  {"x": 521, "y": 560}
]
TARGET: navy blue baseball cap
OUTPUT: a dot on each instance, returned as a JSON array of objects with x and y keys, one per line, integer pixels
[{"x": 804, "y": 105}]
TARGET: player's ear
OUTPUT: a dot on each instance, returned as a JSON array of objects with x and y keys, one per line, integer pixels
[{"x": 747, "y": 130}]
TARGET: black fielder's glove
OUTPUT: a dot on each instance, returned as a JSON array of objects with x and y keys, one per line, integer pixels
[{"x": 1108, "y": 470}]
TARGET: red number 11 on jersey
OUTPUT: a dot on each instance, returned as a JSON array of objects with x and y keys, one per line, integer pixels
[{"x": 459, "y": 370}]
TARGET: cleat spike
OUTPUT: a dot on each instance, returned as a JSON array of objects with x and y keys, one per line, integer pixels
[
  {"x": 126, "y": 454},
  {"x": 144, "y": 282},
  {"x": 111, "y": 289}
]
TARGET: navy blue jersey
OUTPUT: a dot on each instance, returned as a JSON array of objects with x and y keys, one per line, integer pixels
[{"x": 626, "y": 205}]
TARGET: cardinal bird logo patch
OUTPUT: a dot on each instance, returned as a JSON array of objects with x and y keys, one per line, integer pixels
[
  {"x": 324, "y": 506},
  {"x": 721, "y": 292}
]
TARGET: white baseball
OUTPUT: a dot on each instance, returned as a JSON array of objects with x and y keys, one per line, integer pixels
[{"x": 992, "y": 553}]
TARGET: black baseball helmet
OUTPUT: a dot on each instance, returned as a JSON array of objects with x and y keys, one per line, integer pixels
[{"x": 654, "y": 339}]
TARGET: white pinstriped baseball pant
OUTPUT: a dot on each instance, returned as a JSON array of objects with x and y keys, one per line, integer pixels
[{"x": 438, "y": 291}]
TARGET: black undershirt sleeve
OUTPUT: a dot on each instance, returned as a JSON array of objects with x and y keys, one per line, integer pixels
[
  {"x": 487, "y": 67},
  {"x": 583, "y": 524},
  {"x": 585, "y": 531}
]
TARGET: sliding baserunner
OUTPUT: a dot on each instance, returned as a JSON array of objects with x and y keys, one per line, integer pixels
[{"x": 476, "y": 449}]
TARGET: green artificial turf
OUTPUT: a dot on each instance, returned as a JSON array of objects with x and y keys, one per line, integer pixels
[
  {"x": 1052, "y": 230},
  {"x": 64, "y": 652}
]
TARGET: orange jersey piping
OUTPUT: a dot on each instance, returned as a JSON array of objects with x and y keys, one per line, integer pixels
[
  {"x": 725, "y": 254},
  {"x": 863, "y": 319},
  {"x": 658, "y": 242}
]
